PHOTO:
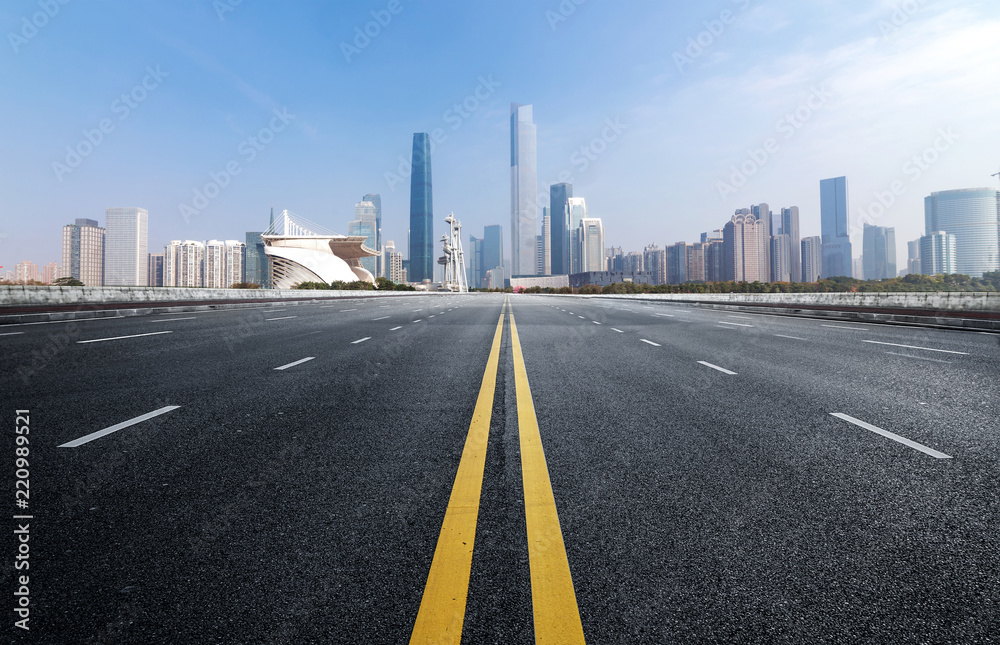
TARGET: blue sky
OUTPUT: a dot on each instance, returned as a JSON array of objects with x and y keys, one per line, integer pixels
[{"x": 792, "y": 92}]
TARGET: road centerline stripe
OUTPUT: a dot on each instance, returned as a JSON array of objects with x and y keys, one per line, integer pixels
[
  {"x": 395, "y": 328},
  {"x": 722, "y": 322},
  {"x": 716, "y": 367},
  {"x": 650, "y": 342},
  {"x": 100, "y": 340},
  {"x": 361, "y": 340},
  {"x": 891, "y": 435},
  {"x": 926, "y": 349},
  {"x": 280, "y": 318},
  {"x": 298, "y": 362},
  {"x": 380, "y": 318},
  {"x": 553, "y": 600},
  {"x": 792, "y": 337},
  {"x": 442, "y": 607},
  {"x": 617, "y": 330},
  {"x": 118, "y": 426},
  {"x": 173, "y": 319}
]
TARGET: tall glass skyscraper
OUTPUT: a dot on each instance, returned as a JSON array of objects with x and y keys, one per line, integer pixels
[
  {"x": 366, "y": 223},
  {"x": 559, "y": 195},
  {"x": 879, "y": 252},
  {"x": 833, "y": 204},
  {"x": 421, "y": 261},
  {"x": 492, "y": 248},
  {"x": 790, "y": 227},
  {"x": 126, "y": 252},
  {"x": 376, "y": 201},
  {"x": 972, "y": 215},
  {"x": 255, "y": 265},
  {"x": 523, "y": 190}
]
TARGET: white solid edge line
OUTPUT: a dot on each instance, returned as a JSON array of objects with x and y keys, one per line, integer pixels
[
  {"x": 173, "y": 319},
  {"x": 667, "y": 315},
  {"x": 716, "y": 367},
  {"x": 792, "y": 337},
  {"x": 11, "y": 333},
  {"x": 721, "y": 322},
  {"x": 279, "y": 318},
  {"x": 361, "y": 340},
  {"x": 617, "y": 330},
  {"x": 298, "y": 362},
  {"x": 844, "y": 327},
  {"x": 928, "y": 349},
  {"x": 115, "y": 428},
  {"x": 650, "y": 342},
  {"x": 98, "y": 340},
  {"x": 395, "y": 328},
  {"x": 891, "y": 435}
]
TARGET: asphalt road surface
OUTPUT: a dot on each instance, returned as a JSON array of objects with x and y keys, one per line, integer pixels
[{"x": 619, "y": 471}]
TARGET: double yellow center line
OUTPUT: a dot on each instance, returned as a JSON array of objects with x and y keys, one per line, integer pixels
[{"x": 442, "y": 609}]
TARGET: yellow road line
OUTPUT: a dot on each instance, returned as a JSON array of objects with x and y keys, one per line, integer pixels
[
  {"x": 557, "y": 617},
  {"x": 442, "y": 609}
]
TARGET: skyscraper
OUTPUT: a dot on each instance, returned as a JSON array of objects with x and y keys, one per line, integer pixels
[
  {"x": 833, "y": 203},
  {"x": 366, "y": 224},
  {"x": 780, "y": 258},
  {"x": 475, "y": 266},
  {"x": 812, "y": 258},
  {"x": 126, "y": 252},
  {"x": 184, "y": 264},
  {"x": 83, "y": 252},
  {"x": 972, "y": 215},
  {"x": 421, "y": 260},
  {"x": 790, "y": 227},
  {"x": 576, "y": 212},
  {"x": 523, "y": 190},
  {"x": 493, "y": 252},
  {"x": 544, "y": 250},
  {"x": 561, "y": 227},
  {"x": 223, "y": 263},
  {"x": 938, "y": 251},
  {"x": 744, "y": 243},
  {"x": 879, "y": 252},
  {"x": 592, "y": 244},
  {"x": 255, "y": 264},
  {"x": 676, "y": 258},
  {"x": 376, "y": 201},
  {"x": 913, "y": 256},
  {"x": 155, "y": 270}
]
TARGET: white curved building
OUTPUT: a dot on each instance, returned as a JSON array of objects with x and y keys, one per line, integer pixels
[{"x": 298, "y": 254}]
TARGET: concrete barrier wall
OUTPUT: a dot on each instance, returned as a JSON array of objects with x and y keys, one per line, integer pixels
[
  {"x": 31, "y": 295},
  {"x": 931, "y": 301}
]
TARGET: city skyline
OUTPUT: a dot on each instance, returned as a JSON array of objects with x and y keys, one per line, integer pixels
[{"x": 825, "y": 87}]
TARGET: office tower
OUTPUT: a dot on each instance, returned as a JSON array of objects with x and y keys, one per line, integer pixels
[
  {"x": 576, "y": 212},
  {"x": 913, "y": 256},
  {"x": 714, "y": 263},
  {"x": 715, "y": 235},
  {"x": 366, "y": 224},
  {"x": 562, "y": 228},
  {"x": 493, "y": 252},
  {"x": 155, "y": 278},
  {"x": 790, "y": 227},
  {"x": 376, "y": 201},
  {"x": 654, "y": 261},
  {"x": 972, "y": 215},
  {"x": 834, "y": 207},
  {"x": 615, "y": 256},
  {"x": 475, "y": 265},
  {"x": 223, "y": 263},
  {"x": 51, "y": 272},
  {"x": 184, "y": 264},
  {"x": 126, "y": 253},
  {"x": 744, "y": 244},
  {"x": 591, "y": 247},
  {"x": 523, "y": 190},
  {"x": 544, "y": 242},
  {"x": 25, "y": 272},
  {"x": 878, "y": 252},
  {"x": 764, "y": 215},
  {"x": 83, "y": 252},
  {"x": 631, "y": 262},
  {"x": 421, "y": 247},
  {"x": 812, "y": 258},
  {"x": 255, "y": 262},
  {"x": 677, "y": 263},
  {"x": 781, "y": 264},
  {"x": 938, "y": 253}
]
